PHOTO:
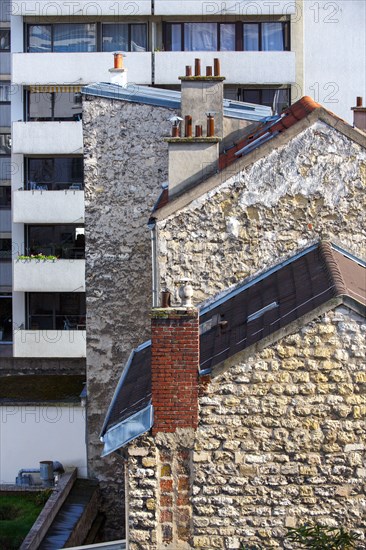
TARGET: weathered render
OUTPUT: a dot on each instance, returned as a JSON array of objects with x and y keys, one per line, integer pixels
[
  {"x": 281, "y": 438},
  {"x": 125, "y": 165},
  {"x": 265, "y": 206}
]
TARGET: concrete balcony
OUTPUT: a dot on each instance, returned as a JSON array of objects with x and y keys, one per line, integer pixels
[
  {"x": 49, "y": 343},
  {"x": 45, "y": 8},
  {"x": 76, "y": 69},
  {"x": 237, "y": 67},
  {"x": 51, "y": 138},
  {"x": 226, "y": 7},
  {"x": 48, "y": 206},
  {"x": 49, "y": 276}
]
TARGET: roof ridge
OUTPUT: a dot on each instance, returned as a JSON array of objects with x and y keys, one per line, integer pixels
[{"x": 332, "y": 267}]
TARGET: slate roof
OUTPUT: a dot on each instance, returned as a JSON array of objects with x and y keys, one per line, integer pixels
[{"x": 236, "y": 320}]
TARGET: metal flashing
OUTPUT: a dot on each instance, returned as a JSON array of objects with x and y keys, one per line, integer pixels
[
  {"x": 170, "y": 99},
  {"x": 127, "y": 430}
]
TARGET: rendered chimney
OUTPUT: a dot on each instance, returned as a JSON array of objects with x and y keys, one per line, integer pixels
[
  {"x": 359, "y": 115},
  {"x": 118, "y": 74},
  {"x": 193, "y": 158},
  {"x": 175, "y": 365},
  {"x": 201, "y": 94}
]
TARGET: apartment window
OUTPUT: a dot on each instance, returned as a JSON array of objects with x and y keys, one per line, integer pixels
[
  {"x": 5, "y": 92},
  {"x": 62, "y": 37},
  {"x": 131, "y": 37},
  {"x": 5, "y": 318},
  {"x": 54, "y": 173},
  {"x": 56, "y": 310},
  {"x": 63, "y": 241},
  {"x": 5, "y": 40},
  {"x": 271, "y": 97},
  {"x": 266, "y": 36},
  {"x": 5, "y": 144},
  {"x": 54, "y": 105},
  {"x": 263, "y": 36},
  {"x": 5, "y": 197},
  {"x": 5, "y": 249},
  {"x": 87, "y": 37}
]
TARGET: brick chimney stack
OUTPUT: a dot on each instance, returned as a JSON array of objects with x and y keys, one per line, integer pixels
[
  {"x": 175, "y": 364},
  {"x": 359, "y": 115}
]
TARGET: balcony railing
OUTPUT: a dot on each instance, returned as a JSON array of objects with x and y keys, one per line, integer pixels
[{"x": 49, "y": 276}]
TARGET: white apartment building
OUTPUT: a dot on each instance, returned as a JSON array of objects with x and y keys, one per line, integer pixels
[{"x": 271, "y": 51}]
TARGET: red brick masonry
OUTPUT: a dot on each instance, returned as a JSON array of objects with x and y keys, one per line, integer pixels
[{"x": 174, "y": 366}]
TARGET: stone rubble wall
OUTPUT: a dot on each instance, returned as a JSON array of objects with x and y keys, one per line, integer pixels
[
  {"x": 125, "y": 163},
  {"x": 311, "y": 188},
  {"x": 160, "y": 474},
  {"x": 282, "y": 439}
]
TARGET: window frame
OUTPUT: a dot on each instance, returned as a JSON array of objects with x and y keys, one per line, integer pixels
[
  {"x": 5, "y": 30},
  {"x": 98, "y": 34},
  {"x": 239, "y": 34}
]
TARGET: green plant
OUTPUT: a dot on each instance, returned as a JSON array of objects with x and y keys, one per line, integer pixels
[
  {"x": 37, "y": 257},
  {"x": 18, "y": 512},
  {"x": 318, "y": 537},
  {"x": 41, "y": 498}
]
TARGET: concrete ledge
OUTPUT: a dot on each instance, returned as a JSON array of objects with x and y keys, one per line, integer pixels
[{"x": 49, "y": 512}]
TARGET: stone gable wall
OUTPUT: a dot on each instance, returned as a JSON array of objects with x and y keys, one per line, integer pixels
[
  {"x": 281, "y": 440},
  {"x": 125, "y": 163},
  {"x": 311, "y": 188}
]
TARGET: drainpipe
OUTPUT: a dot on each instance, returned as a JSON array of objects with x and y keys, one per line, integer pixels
[{"x": 154, "y": 264}]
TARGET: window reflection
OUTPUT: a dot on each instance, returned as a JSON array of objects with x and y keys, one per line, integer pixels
[
  {"x": 55, "y": 173},
  {"x": 54, "y": 106},
  {"x": 63, "y": 241},
  {"x": 56, "y": 311}
]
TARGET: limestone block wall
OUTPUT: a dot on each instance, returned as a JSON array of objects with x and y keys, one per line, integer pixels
[
  {"x": 313, "y": 187},
  {"x": 125, "y": 163},
  {"x": 282, "y": 439}
]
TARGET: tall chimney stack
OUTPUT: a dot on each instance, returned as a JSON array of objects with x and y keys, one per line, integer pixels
[
  {"x": 175, "y": 359},
  {"x": 192, "y": 158},
  {"x": 359, "y": 115}
]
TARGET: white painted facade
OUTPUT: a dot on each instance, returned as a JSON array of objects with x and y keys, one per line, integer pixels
[
  {"x": 83, "y": 8},
  {"x": 49, "y": 276},
  {"x": 76, "y": 69},
  {"x": 49, "y": 343},
  {"x": 47, "y": 138},
  {"x": 237, "y": 67},
  {"x": 32, "y": 433},
  {"x": 224, "y": 7},
  {"x": 48, "y": 206},
  {"x": 335, "y": 54}
]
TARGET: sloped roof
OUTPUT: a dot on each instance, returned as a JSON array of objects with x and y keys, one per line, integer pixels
[
  {"x": 292, "y": 120},
  {"x": 257, "y": 134},
  {"x": 256, "y": 312}
]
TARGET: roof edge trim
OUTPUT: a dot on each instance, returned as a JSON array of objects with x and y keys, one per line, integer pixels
[
  {"x": 119, "y": 435},
  {"x": 120, "y": 383}
]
